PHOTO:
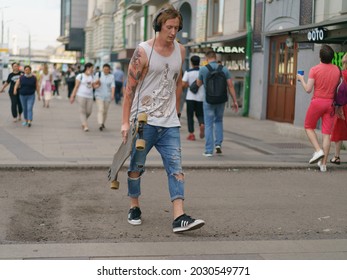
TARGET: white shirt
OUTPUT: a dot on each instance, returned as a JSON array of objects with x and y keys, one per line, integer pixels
[
  {"x": 85, "y": 88},
  {"x": 190, "y": 76},
  {"x": 104, "y": 92}
]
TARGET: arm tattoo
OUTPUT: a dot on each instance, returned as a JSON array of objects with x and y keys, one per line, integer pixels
[
  {"x": 135, "y": 73},
  {"x": 135, "y": 63}
]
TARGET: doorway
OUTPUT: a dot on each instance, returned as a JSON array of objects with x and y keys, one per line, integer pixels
[{"x": 282, "y": 80}]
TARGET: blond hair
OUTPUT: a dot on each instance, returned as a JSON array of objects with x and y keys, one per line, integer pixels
[
  {"x": 45, "y": 69},
  {"x": 344, "y": 62}
]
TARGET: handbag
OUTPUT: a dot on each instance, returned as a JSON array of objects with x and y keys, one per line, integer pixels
[
  {"x": 48, "y": 86},
  {"x": 340, "y": 98},
  {"x": 194, "y": 88}
]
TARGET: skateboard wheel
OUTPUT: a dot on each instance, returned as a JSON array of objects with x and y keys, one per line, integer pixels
[
  {"x": 140, "y": 144},
  {"x": 114, "y": 185},
  {"x": 142, "y": 117}
]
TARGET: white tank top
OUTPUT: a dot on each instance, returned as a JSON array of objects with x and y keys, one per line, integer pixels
[{"x": 156, "y": 94}]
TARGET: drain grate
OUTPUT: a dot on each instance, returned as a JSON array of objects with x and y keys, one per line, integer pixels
[{"x": 282, "y": 145}]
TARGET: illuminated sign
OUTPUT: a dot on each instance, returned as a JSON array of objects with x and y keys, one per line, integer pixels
[
  {"x": 228, "y": 49},
  {"x": 316, "y": 35}
]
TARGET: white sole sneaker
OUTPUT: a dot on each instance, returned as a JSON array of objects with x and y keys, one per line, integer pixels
[
  {"x": 322, "y": 167},
  {"x": 316, "y": 156},
  {"x": 194, "y": 225},
  {"x": 207, "y": 155},
  {"x": 135, "y": 222}
]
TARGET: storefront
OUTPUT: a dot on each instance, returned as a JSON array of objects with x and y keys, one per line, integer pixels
[
  {"x": 293, "y": 49},
  {"x": 230, "y": 53}
]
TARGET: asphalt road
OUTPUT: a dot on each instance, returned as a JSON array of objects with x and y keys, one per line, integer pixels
[{"x": 77, "y": 205}]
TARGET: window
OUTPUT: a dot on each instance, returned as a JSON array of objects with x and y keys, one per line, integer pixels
[
  {"x": 216, "y": 16},
  {"x": 242, "y": 22}
]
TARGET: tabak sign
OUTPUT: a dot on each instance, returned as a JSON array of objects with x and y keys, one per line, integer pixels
[
  {"x": 228, "y": 49},
  {"x": 316, "y": 35}
]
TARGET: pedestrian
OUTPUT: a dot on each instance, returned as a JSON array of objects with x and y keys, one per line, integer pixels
[
  {"x": 16, "y": 106},
  {"x": 119, "y": 80},
  {"x": 96, "y": 72},
  {"x": 26, "y": 86},
  {"x": 56, "y": 80},
  {"x": 154, "y": 86},
  {"x": 45, "y": 86},
  {"x": 213, "y": 113},
  {"x": 194, "y": 101},
  {"x": 70, "y": 80},
  {"x": 339, "y": 132},
  {"x": 323, "y": 78},
  {"x": 104, "y": 93},
  {"x": 84, "y": 92}
]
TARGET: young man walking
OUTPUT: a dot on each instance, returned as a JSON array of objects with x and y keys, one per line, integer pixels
[
  {"x": 213, "y": 113},
  {"x": 119, "y": 81},
  {"x": 194, "y": 100},
  {"x": 104, "y": 93},
  {"x": 154, "y": 86}
]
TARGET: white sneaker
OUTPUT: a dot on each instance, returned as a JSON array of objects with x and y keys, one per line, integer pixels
[
  {"x": 316, "y": 156},
  {"x": 207, "y": 154},
  {"x": 322, "y": 167}
]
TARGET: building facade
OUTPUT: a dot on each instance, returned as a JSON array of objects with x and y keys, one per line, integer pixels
[
  {"x": 287, "y": 37},
  {"x": 72, "y": 24},
  {"x": 286, "y": 34}
]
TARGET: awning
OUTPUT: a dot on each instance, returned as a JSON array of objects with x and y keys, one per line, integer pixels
[
  {"x": 220, "y": 39},
  {"x": 335, "y": 31}
]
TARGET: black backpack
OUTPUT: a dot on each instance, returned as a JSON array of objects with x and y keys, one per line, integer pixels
[{"x": 216, "y": 86}]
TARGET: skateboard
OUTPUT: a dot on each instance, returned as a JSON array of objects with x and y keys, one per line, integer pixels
[{"x": 124, "y": 150}]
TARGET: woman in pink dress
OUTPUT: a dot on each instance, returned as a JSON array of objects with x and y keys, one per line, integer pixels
[{"x": 339, "y": 132}]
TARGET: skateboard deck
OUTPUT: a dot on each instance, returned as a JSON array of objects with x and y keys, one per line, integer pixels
[{"x": 121, "y": 156}]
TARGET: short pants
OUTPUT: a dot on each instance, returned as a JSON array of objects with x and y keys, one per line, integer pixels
[{"x": 320, "y": 108}]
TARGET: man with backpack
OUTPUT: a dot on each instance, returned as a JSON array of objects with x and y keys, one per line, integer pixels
[{"x": 217, "y": 81}]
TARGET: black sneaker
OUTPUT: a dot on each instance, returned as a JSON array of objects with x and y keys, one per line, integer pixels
[
  {"x": 134, "y": 216},
  {"x": 218, "y": 149},
  {"x": 185, "y": 223}
]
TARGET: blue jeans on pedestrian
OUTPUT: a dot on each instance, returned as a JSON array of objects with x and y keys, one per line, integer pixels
[
  {"x": 118, "y": 91},
  {"x": 168, "y": 143},
  {"x": 28, "y": 105},
  {"x": 213, "y": 118}
]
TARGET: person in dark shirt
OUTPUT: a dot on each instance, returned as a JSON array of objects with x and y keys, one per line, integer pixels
[
  {"x": 16, "y": 106},
  {"x": 27, "y": 85}
]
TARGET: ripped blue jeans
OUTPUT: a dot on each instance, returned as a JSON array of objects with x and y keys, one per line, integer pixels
[{"x": 168, "y": 143}]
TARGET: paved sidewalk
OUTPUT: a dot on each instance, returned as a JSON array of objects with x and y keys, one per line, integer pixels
[
  {"x": 56, "y": 139},
  {"x": 214, "y": 250}
]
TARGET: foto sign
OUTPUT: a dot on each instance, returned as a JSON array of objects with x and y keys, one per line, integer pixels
[{"x": 316, "y": 35}]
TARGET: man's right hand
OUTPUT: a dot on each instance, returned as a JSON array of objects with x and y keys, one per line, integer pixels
[{"x": 125, "y": 131}]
